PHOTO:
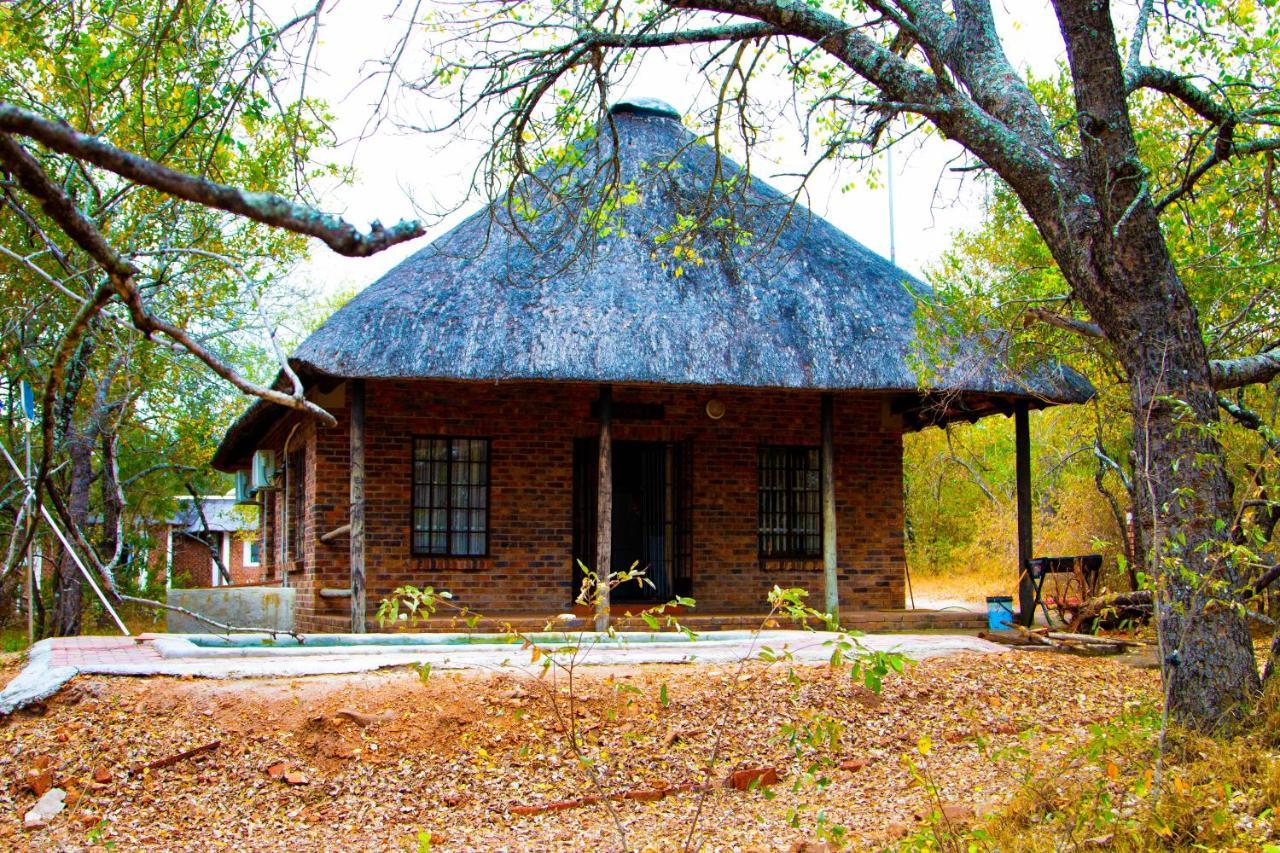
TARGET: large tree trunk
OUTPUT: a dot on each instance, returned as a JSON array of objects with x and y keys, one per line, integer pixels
[
  {"x": 1112, "y": 250},
  {"x": 68, "y": 589},
  {"x": 1184, "y": 507}
]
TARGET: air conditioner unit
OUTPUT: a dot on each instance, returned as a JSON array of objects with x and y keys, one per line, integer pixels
[
  {"x": 244, "y": 491},
  {"x": 264, "y": 470}
]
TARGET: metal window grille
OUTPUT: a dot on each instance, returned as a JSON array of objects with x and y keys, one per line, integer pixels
[
  {"x": 790, "y": 502},
  {"x": 451, "y": 496}
]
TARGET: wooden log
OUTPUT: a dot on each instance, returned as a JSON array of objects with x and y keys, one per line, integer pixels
[
  {"x": 604, "y": 510},
  {"x": 357, "y": 400},
  {"x": 1032, "y": 637},
  {"x": 1136, "y": 605},
  {"x": 1113, "y": 609},
  {"x": 181, "y": 756},
  {"x": 1092, "y": 639},
  {"x": 829, "y": 571},
  {"x": 1016, "y": 638},
  {"x": 1022, "y": 465},
  {"x": 335, "y": 533}
]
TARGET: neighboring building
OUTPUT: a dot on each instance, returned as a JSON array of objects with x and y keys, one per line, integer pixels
[
  {"x": 186, "y": 546},
  {"x": 478, "y": 378}
]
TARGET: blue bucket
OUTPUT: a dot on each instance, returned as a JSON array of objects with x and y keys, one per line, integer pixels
[{"x": 1000, "y": 612}]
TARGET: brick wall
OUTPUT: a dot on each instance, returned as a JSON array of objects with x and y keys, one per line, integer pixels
[
  {"x": 193, "y": 563},
  {"x": 241, "y": 571},
  {"x": 531, "y": 427}
]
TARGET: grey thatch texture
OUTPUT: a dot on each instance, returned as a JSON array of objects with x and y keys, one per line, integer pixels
[
  {"x": 799, "y": 305},
  {"x": 774, "y": 296}
]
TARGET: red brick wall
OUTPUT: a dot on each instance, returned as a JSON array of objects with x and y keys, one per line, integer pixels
[
  {"x": 242, "y": 572},
  {"x": 532, "y": 427},
  {"x": 192, "y": 562}
]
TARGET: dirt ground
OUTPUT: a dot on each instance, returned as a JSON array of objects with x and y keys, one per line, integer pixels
[{"x": 465, "y": 757}]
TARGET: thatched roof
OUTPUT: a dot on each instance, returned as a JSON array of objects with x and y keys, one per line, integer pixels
[{"x": 768, "y": 295}]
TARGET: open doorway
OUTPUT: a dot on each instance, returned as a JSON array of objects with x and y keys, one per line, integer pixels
[{"x": 650, "y": 516}]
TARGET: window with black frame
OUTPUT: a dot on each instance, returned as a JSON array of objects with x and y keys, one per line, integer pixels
[
  {"x": 790, "y": 502},
  {"x": 450, "y": 496}
]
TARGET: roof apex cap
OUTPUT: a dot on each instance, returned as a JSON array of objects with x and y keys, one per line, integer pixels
[{"x": 645, "y": 107}]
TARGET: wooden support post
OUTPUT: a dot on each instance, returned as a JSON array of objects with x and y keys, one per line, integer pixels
[
  {"x": 831, "y": 601},
  {"x": 1022, "y": 464},
  {"x": 355, "y": 395},
  {"x": 604, "y": 510}
]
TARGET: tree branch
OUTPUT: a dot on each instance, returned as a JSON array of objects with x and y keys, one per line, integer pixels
[
  {"x": 870, "y": 59},
  {"x": 1070, "y": 324},
  {"x": 1177, "y": 86},
  {"x": 704, "y": 35},
  {"x": 1249, "y": 419},
  {"x": 1247, "y": 370},
  {"x": 33, "y": 179},
  {"x": 1225, "y": 372},
  {"x": 1224, "y": 149},
  {"x": 267, "y": 208},
  {"x": 198, "y": 502},
  {"x": 1139, "y": 35}
]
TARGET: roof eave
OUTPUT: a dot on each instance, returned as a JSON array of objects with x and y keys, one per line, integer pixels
[{"x": 244, "y": 434}]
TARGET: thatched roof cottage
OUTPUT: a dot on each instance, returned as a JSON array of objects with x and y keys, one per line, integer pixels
[{"x": 721, "y": 375}]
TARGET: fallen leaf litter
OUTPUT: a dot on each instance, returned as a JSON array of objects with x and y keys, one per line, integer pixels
[{"x": 479, "y": 760}]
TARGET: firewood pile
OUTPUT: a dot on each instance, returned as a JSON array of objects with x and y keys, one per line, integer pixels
[{"x": 1047, "y": 639}]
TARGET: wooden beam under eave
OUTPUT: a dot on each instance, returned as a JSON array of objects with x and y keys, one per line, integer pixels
[
  {"x": 831, "y": 578},
  {"x": 1022, "y": 464},
  {"x": 604, "y": 510},
  {"x": 357, "y": 409}
]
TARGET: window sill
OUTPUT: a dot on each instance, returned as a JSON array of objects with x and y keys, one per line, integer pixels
[
  {"x": 774, "y": 563},
  {"x": 446, "y": 562}
]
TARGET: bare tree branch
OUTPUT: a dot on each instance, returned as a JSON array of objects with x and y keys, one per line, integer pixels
[
  {"x": 267, "y": 208},
  {"x": 122, "y": 274},
  {"x": 1180, "y": 87},
  {"x": 1246, "y": 370},
  {"x": 1139, "y": 34},
  {"x": 1061, "y": 321},
  {"x": 1224, "y": 149},
  {"x": 1249, "y": 419},
  {"x": 1226, "y": 373},
  {"x": 198, "y": 502}
]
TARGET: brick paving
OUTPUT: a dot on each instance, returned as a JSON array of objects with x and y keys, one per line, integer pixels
[{"x": 91, "y": 652}]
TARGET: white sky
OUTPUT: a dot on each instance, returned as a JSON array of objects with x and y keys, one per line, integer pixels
[{"x": 395, "y": 168}]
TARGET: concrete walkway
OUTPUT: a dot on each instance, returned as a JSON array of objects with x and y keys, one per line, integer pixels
[{"x": 54, "y": 662}]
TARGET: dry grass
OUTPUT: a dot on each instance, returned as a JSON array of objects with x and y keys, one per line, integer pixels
[
  {"x": 971, "y": 583},
  {"x": 1111, "y": 792}
]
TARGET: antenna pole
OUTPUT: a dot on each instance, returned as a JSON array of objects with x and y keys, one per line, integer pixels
[{"x": 893, "y": 248}]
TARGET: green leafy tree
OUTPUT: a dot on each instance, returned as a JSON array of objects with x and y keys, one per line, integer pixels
[
  {"x": 129, "y": 424},
  {"x": 1225, "y": 233}
]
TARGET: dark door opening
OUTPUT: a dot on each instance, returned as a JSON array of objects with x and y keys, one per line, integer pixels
[{"x": 650, "y": 517}]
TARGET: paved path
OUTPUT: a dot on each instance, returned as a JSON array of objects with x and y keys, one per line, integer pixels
[{"x": 54, "y": 662}]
